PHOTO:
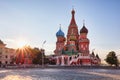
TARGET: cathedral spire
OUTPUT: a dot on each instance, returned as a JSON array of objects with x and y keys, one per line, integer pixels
[{"x": 73, "y": 22}]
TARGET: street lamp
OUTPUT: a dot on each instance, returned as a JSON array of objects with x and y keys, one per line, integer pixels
[{"x": 42, "y": 51}]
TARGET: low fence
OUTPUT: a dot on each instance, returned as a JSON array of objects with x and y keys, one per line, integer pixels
[{"x": 60, "y": 67}]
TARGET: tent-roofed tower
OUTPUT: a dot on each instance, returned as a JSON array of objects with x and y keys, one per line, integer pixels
[{"x": 72, "y": 34}]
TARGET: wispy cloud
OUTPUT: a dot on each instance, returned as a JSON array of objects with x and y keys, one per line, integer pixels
[{"x": 9, "y": 40}]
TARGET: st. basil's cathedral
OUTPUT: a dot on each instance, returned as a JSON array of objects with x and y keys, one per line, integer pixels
[{"x": 74, "y": 49}]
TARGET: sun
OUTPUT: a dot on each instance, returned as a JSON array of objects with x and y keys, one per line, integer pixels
[{"x": 21, "y": 43}]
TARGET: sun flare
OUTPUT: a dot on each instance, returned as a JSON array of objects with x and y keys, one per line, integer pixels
[{"x": 21, "y": 43}]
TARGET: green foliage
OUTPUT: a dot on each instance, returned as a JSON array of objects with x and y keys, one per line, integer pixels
[
  {"x": 21, "y": 53},
  {"x": 112, "y": 58},
  {"x": 37, "y": 59},
  {"x": 35, "y": 54}
]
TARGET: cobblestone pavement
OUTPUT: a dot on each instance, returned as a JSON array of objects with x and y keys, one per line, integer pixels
[{"x": 59, "y": 74}]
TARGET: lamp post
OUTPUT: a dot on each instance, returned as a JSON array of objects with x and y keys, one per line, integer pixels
[{"x": 42, "y": 51}]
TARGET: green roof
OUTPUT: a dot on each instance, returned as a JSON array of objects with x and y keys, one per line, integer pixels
[{"x": 70, "y": 53}]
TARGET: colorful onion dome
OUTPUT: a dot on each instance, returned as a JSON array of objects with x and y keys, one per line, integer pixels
[
  {"x": 60, "y": 33},
  {"x": 84, "y": 29}
]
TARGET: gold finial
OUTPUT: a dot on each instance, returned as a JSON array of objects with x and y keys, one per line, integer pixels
[
  {"x": 60, "y": 26},
  {"x": 83, "y": 22}
]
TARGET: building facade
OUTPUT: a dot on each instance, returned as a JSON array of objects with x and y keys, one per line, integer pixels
[
  {"x": 74, "y": 49},
  {"x": 6, "y": 54}
]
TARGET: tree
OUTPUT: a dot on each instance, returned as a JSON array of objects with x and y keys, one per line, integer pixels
[
  {"x": 23, "y": 54},
  {"x": 111, "y": 58},
  {"x": 37, "y": 56},
  {"x": 33, "y": 54}
]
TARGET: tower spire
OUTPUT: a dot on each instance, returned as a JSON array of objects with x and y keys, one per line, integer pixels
[
  {"x": 72, "y": 29},
  {"x": 73, "y": 18},
  {"x": 84, "y": 29},
  {"x": 83, "y": 22},
  {"x": 60, "y": 26},
  {"x": 72, "y": 7}
]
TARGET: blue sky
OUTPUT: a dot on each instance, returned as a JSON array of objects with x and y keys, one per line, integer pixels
[{"x": 37, "y": 20}]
